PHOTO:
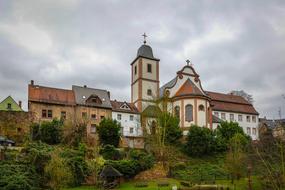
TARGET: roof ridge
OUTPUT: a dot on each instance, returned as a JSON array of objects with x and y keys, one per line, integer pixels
[
  {"x": 50, "y": 87},
  {"x": 90, "y": 88}
]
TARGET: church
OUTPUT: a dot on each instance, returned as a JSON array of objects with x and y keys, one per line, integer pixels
[{"x": 189, "y": 101}]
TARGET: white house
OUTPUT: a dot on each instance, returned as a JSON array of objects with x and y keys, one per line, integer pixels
[{"x": 129, "y": 117}]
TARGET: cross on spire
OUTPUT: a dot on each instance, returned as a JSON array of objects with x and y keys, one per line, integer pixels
[
  {"x": 188, "y": 61},
  {"x": 144, "y": 37}
]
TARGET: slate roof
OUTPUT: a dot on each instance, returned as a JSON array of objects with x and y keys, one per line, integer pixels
[
  {"x": 83, "y": 93},
  {"x": 231, "y": 103},
  {"x": 116, "y": 106},
  {"x": 109, "y": 171},
  {"x": 44, "y": 94},
  {"x": 167, "y": 85},
  {"x": 145, "y": 51}
]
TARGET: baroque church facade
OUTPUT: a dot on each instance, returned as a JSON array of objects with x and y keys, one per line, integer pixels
[{"x": 188, "y": 100}]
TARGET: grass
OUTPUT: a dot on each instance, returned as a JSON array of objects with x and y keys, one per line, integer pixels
[{"x": 242, "y": 184}]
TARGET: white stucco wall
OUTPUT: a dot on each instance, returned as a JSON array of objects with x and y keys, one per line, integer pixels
[
  {"x": 126, "y": 123},
  {"x": 244, "y": 124}
]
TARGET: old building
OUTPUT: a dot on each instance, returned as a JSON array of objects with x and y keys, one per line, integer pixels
[
  {"x": 92, "y": 105},
  {"x": 81, "y": 104},
  {"x": 229, "y": 107},
  {"x": 129, "y": 117},
  {"x": 14, "y": 122},
  {"x": 188, "y": 100}
]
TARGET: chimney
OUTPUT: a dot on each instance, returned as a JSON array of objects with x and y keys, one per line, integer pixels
[
  {"x": 85, "y": 86},
  {"x": 20, "y": 104},
  {"x": 32, "y": 82}
]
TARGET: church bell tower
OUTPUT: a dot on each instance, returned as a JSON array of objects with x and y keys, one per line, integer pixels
[{"x": 145, "y": 77}]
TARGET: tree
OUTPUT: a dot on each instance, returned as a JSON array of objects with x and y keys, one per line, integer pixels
[
  {"x": 235, "y": 159},
  {"x": 58, "y": 172},
  {"x": 200, "y": 141},
  {"x": 243, "y": 94},
  {"x": 173, "y": 131},
  {"x": 49, "y": 132},
  {"x": 74, "y": 133},
  {"x": 224, "y": 132},
  {"x": 109, "y": 132}
]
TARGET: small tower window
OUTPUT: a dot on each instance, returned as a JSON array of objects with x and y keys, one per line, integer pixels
[
  {"x": 149, "y": 68},
  {"x": 135, "y": 70},
  {"x": 149, "y": 92}
]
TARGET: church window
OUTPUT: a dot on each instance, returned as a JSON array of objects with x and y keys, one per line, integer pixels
[
  {"x": 232, "y": 117},
  {"x": 223, "y": 116},
  {"x": 9, "y": 106},
  {"x": 239, "y": 117},
  {"x": 216, "y": 114},
  {"x": 119, "y": 117},
  {"x": 149, "y": 92},
  {"x": 149, "y": 68},
  {"x": 201, "y": 107},
  {"x": 49, "y": 114},
  {"x": 177, "y": 111},
  {"x": 135, "y": 70},
  {"x": 44, "y": 113},
  {"x": 189, "y": 113}
]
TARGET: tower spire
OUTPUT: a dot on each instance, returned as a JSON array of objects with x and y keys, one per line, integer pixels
[{"x": 144, "y": 37}]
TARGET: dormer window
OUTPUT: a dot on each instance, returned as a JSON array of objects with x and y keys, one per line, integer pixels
[
  {"x": 94, "y": 99},
  {"x": 125, "y": 106}
]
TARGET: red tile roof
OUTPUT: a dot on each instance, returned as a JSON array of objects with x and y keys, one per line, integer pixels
[
  {"x": 188, "y": 88},
  {"x": 51, "y": 95},
  {"x": 116, "y": 106},
  {"x": 231, "y": 103}
]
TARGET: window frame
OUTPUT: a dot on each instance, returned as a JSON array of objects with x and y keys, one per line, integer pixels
[
  {"x": 240, "y": 117},
  {"x": 49, "y": 113},
  {"x": 93, "y": 125},
  {"x": 149, "y": 92},
  {"x": 189, "y": 117},
  {"x": 149, "y": 68},
  {"x": 223, "y": 116},
  {"x": 44, "y": 113},
  {"x": 131, "y": 117}
]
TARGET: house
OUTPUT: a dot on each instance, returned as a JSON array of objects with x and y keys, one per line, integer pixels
[
  {"x": 129, "y": 117},
  {"x": 9, "y": 104},
  {"x": 81, "y": 104}
]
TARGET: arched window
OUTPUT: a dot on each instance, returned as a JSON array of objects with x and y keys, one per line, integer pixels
[
  {"x": 201, "y": 107},
  {"x": 177, "y": 111},
  {"x": 189, "y": 113}
]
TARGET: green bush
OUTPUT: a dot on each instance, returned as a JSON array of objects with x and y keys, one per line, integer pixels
[
  {"x": 129, "y": 168},
  {"x": 145, "y": 160},
  {"x": 17, "y": 176},
  {"x": 109, "y": 152},
  {"x": 77, "y": 163},
  {"x": 51, "y": 132},
  {"x": 109, "y": 132},
  {"x": 200, "y": 141}
]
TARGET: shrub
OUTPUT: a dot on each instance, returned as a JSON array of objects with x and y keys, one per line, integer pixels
[
  {"x": 109, "y": 132},
  {"x": 77, "y": 164},
  {"x": 51, "y": 132},
  {"x": 17, "y": 176},
  {"x": 129, "y": 168},
  {"x": 109, "y": 152},
  {"x": 145, "y": 160},
  {"x": 58, "y": 172},
  {"x": 200, "y": 141}
]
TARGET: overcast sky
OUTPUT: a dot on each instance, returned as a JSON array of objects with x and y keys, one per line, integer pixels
[{"x": 234, "y": 45}]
